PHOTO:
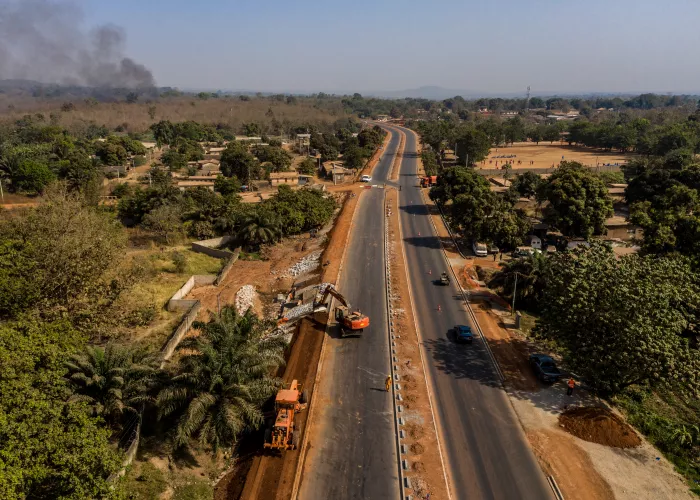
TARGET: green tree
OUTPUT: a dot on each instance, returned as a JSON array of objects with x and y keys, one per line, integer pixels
[
  {"x": 579, "y": 202},
  {"x": 49, "y": 447},
  {"x": 514, "y": 130},
  {"x": 307, "y": 167},
  {"x": 72, "y": 253},
  {"x": 259, "y": 228},
  {"x": 623, "y": 321},
  {"x": 526, "y": 184},
  {"x": 531, "y": 274},
  {"x": 223, "y": 379},
  {"x": 354, "y": 158},
  {"x": 115, "y": 381},
  {"x": 165, "y": 221},
  {"x": 31, "y": 176},
  {"x": 227, "y": 185},
  {"x": 281, "y": 160},
  {"x": 237, "y": 161},
  {"x": 110, "y": 153},
  {"x": 174, "y": 160},
  {"x": 473, "y": 144}
]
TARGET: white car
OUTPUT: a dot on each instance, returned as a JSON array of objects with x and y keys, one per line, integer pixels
[
  {"x": 365, "y": 178},
  {"x": 480, "y": 249}
]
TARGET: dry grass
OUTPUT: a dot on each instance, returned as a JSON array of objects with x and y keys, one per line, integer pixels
[
  {"x": 226, "y": 110},
  {"x": 546, "y": 155}
]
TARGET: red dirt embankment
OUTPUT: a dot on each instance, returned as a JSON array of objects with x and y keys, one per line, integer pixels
[{"x": 599, "y": 425}]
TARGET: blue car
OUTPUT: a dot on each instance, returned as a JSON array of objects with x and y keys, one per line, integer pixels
[
  {"x": 544, "y": 368},
  {"x": 463, "y": 334}
]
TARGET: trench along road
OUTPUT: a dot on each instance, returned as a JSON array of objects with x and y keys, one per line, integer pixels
[
  {"x": 351, "y": 451},
  {"x": 486, "y": 452}
]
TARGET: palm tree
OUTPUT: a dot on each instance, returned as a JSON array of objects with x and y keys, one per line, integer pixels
[
  {"x": 531, "y": 274},
  {"x": 259, "y": 228},
  {"x": 116, "y": 380},
  {"x": 223, "y": 379}
]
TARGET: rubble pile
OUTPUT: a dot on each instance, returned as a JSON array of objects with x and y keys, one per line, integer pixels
[
  {"x": 245, "y": 298},
  {"x": 305, "y": 265},
  {"x": 299, "y": 311}
]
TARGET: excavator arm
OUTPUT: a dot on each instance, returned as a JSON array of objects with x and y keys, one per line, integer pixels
[{"x": 330, "y": 290}]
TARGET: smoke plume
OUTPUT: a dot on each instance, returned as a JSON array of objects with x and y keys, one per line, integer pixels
[{"x": 44, "y": 40}]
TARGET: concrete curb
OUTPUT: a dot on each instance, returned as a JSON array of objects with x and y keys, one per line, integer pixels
[
  {"x": 305, "y": 440},
  {"x": 395, "y": 387}
]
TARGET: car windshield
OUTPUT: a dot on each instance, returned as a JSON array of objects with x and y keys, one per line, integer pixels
[{"x": 548, "y": 365}]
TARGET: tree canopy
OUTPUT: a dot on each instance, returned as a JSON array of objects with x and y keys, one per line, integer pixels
[
  {"x": 623, "y": 321},
  {"x": 578, "y": 200}
]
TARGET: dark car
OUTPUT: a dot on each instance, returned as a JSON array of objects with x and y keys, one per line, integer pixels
[
  {"x": 463, "y": 334},
  {"x": 444, "y": 279},
  {"x": 545, "y": 368}
]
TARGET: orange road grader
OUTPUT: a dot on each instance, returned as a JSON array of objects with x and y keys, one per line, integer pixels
[
  {"x": 284, "y": 435},
  {"x": 351, "y": 322}
]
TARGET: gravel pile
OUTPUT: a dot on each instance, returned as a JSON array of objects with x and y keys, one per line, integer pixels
[
  {"x": 305, "y": 265},
  {"x": 245, "y": 298}
]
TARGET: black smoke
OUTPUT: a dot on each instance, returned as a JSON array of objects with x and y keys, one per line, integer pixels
[{"x": 44, "y": 40}]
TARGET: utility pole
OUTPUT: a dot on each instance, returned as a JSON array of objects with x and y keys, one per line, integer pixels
[
  {"x": 2, "y": 194},
  {"x": 218, "y": 305},
  {"x": 515, "y": 288}
]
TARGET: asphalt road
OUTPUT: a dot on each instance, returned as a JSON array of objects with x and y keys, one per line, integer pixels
[
  {"x": 352, "y": 447},
  {"x": 486, "y": 452}
]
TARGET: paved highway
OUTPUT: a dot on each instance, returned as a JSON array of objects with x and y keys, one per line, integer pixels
[
  {"x": 352, "y": 447},
  {"x": 486, "y": 452}
]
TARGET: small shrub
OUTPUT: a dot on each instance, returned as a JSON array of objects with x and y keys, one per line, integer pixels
[
  {"x": 179, "y": 262},
  {"x": 139, "y": 160},
  {"x": 142, "y": 316}
]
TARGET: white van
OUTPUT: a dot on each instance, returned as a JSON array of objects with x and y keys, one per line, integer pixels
[{"x": 480, "y": 249}]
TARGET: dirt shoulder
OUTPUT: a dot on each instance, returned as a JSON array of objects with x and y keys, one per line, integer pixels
[{"x": 423, "y": 451}]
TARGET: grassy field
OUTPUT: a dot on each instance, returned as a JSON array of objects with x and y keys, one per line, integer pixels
[
  {"x": 165, "y": 272},
  {"x": 546, "y": 155}
]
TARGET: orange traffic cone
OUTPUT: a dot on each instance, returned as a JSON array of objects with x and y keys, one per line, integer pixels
[
  {"x": 430, "y": 271},
  {"x": 439, "y": 309}
]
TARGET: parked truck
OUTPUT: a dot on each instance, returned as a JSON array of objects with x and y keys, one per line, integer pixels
[{"x": 428, "y": 181}]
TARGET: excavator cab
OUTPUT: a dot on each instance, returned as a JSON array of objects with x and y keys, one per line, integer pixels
[{"x": 351, "y": 323}]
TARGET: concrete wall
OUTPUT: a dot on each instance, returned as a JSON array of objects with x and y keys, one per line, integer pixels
[
  {"x": 212, "y": 247},
  {"x": 181, "y": 331},
  {"x": 229, "y": 265}
]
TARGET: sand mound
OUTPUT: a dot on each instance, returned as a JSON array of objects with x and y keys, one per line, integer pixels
[{"x": 599, "y": 425}]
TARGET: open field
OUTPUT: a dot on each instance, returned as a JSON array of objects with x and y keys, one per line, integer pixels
[
  {"x": 135, "y": 117},
  {"x": 547, "y": 155}
]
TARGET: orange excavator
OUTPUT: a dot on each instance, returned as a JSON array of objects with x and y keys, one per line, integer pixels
[{"x": 351, "y": 322}]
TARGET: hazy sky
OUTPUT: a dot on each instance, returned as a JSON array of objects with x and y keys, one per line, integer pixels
[{"x": 362, "y": 45}]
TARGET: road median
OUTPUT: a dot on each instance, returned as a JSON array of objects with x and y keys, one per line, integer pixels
[{"x": 419, "y": 446}]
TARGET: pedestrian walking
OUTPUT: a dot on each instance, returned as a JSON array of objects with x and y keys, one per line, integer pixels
[
  {"x": 570, "y": 389},
  {"x": 494, "y": 257},
  {"x": 500, "y": 256},
  {"x": 388, "y": 383}
]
